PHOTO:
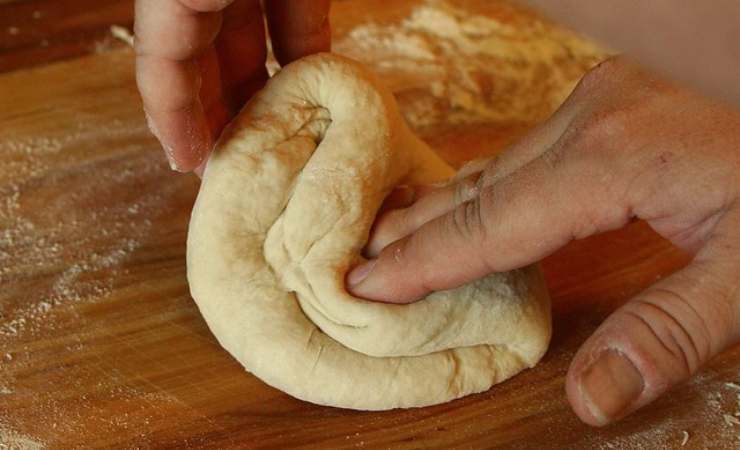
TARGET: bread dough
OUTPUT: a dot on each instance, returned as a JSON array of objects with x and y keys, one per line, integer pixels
[{"x": 285, "y": 207}]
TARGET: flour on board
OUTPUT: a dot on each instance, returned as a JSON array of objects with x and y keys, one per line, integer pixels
[{"x": 464, "y": 67}]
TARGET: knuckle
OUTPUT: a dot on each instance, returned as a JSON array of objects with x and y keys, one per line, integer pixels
[
  {"x": 491, "y": 173},
  {"x": 597, "y": 130},
  {"x": 721, "y": 288},
  {"x": 466, "y": 189},
  {"x": 675, "y": 325},
  {"x": 467, "y": 221},
  {"x": 595, "y": 206},
  {"x": 599, "y": 207},
  {"x": 175, "y": 38}
]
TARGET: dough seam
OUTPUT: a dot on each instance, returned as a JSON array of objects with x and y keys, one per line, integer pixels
[{"x": 272, "y": 309}]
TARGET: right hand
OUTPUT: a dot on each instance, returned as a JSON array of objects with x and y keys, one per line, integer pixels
[
  {"x": 625, "y": 145},
  {"x": 199, "y": 61}
]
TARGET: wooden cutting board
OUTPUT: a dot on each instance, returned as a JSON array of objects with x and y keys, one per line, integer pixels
[{"x": 101, "y": 345}]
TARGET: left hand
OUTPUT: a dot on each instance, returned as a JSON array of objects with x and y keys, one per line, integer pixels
[
  {"x": 623, "y": 146},
  {"x": 199, "y": 61}
]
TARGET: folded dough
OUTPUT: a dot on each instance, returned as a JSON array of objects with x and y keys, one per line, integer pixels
[{"x": 285, "y": 207}]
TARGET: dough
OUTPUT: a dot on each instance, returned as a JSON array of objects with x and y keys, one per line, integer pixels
[{"x": 285, "y": 207}]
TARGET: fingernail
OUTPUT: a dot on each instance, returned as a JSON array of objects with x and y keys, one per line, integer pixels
[
  {"x": 150, "y": 124},
  {"x": 167, "y": 150},
  {"x": 610, "y": 386},
  {"x": 171, "y": 158},
  {"x": 359, "y": 273}
]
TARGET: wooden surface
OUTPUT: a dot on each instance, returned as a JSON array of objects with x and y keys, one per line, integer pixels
[
  {"x": 101, "y": 345},
  {"x": 34, "y": 32}
]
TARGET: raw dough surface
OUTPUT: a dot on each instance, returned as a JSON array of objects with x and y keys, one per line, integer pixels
[{"x": 285, "y": 207}]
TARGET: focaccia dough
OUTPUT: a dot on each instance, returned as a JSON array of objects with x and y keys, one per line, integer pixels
[{"x": 285, "y": 207}]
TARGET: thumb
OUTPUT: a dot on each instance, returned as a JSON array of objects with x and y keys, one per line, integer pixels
[{"x": 658, "y": 339}]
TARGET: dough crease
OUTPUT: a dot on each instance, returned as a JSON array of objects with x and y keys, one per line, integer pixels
[{"x": 284, "y": 209}]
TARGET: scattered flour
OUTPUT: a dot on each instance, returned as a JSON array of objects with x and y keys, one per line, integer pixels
[
  {"x": 730, "y": 420},
  {"x": 57, "y": 236},
  {"x": 122, "y": 34},
  {"x": 684, "y": 438},
  {"x": 10, "y": 440},
  {"x": 464, "y": 67},
  {"x": 117, "y": 34},
  {"x": 61, "y": 248}
]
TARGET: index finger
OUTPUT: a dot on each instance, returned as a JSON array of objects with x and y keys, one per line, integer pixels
[
  {"x": 510, "y": 224},
  {"x": 170, "y": 36}
]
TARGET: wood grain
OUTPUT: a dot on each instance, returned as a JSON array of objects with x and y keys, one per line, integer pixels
[
  {"x": 34, "y": 32},
  {"x": 101, "y": 345}
]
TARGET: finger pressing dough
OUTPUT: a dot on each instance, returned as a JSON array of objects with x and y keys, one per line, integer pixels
[{"x": 285, "y": 207}]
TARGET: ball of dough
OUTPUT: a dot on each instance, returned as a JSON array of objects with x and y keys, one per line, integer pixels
[{"x": 285, "y": 207}]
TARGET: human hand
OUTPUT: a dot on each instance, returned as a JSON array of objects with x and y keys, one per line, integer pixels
[
  {"x": 199, "y": 61},
  {"x": 623, "y": 146}
]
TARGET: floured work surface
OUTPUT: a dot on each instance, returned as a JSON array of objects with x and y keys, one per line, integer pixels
[{"x": 101, "y": 344}]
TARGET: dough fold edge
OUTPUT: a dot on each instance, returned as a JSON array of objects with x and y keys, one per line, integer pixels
[{"x": 262, "y": 324}]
